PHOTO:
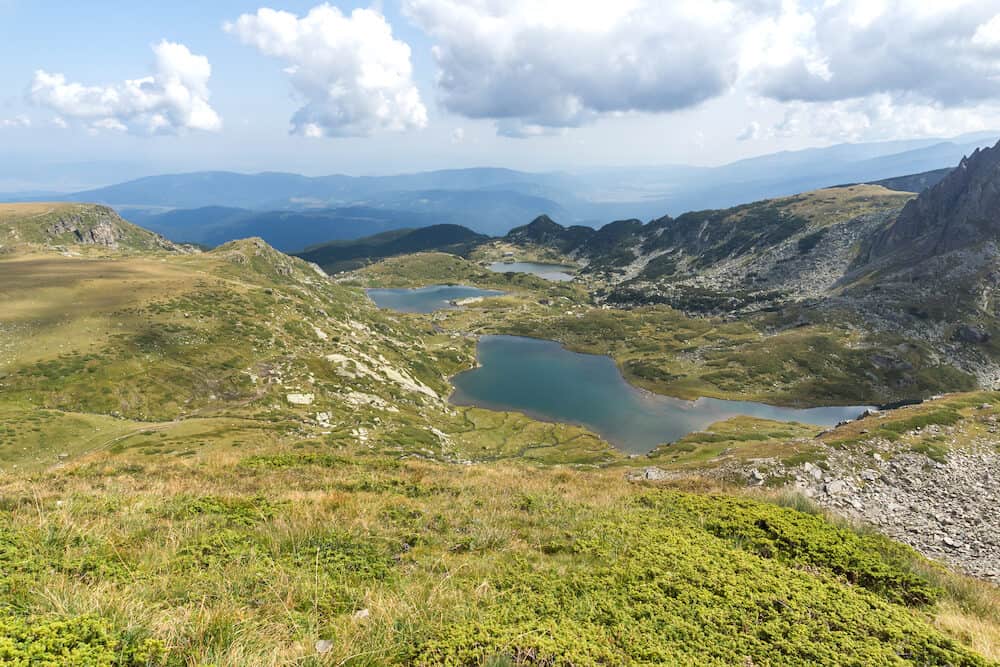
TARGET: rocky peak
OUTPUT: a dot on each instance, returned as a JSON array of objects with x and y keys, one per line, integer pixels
[
  {"x": 961, "y": 210},
  {"x": 540, "y": 230}
]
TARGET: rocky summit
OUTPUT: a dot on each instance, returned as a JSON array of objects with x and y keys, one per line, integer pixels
[{"x": 962, "y": 210}]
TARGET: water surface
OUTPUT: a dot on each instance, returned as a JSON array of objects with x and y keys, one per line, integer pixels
[
  {"x": 426, "y": 299},
  {"x": 548, "y": 382},
  {"x": 556, "y": 272}
]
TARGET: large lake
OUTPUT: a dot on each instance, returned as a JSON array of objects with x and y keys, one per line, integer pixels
[
  {"x": 426, "y": 299},
  {"x": 556, "y": 272},
  {"x": 543, "y": 379}
]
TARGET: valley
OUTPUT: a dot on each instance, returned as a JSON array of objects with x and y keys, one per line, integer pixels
[{"x": 230, "y": 457}]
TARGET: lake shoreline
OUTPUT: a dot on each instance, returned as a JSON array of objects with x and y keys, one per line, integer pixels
[{"x": 630, "y": 418}]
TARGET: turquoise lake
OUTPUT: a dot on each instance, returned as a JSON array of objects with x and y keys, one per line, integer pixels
[
  {"x": 425, "y": 299},
  {"x": 555, "y": 272},
  {"x": 546, "y": 381}
]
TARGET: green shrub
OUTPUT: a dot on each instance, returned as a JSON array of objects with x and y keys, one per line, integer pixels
[
  {"x": 648, "y": 585},
  {"x": 344, "y": 555},
  {"x": 233, "y": 510},
  {"x": 83, "y": 640},
  {"x": 870, "y": 561},
  {"x": 295, "y": 460},
  {"x": 939, "y": 417}
]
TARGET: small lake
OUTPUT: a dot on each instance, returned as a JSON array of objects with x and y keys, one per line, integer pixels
[
  {"x": 546, "y": 381},
  {"x": 426, "y": 299},
  {"x": 556, "y": 272}
]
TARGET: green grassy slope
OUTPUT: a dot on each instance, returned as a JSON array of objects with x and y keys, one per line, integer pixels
[
  {"x": 60, "y": 224},
  {"x": 227, "y": 459}
]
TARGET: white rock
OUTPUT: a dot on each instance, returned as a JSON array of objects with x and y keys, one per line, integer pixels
[
  {"x": 301, "y": 399},
  {"x": 835, "y": 487}
]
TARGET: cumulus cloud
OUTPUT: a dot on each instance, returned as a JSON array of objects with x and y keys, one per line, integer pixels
[
  {"x": 925, "y": 51},
  {"x": 537, "y": 67},
  {"x": 563, "y": 63},
  {"x": 353, "y": 75},
  {"x": 173, "y": 98}
]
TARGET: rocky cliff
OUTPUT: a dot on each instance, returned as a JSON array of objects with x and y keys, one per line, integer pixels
[{"x": 961, "y": 210}]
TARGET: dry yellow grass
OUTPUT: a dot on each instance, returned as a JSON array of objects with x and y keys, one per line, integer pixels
[
  {"x": 10, "y": 212},
  {"x": 980, "y": 634}
]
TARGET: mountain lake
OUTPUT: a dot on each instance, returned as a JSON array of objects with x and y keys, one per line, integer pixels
[
  {"x": 546, "y": 381},
  {"x": 426, "y": 299}
]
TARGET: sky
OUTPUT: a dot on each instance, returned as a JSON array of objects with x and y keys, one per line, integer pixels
[{"x": 107, "y": 89}]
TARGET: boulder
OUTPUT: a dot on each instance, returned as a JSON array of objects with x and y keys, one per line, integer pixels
[{"x": 966, "y": 333}]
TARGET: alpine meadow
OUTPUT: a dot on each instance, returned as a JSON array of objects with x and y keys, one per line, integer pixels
[{"x": 449, "y": 332}]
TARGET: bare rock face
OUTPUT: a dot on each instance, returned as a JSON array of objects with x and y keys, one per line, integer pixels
[
  {"x": 99, "y": 227},
  {"x": 962, "y": 210},
  {"x": 95, "y": 225}
]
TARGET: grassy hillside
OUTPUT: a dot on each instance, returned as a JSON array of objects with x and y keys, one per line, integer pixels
[
  {"x": 60, "y": 224},
  {"x": 323, "y": 555},
  {"x": 225, "y": 458}
]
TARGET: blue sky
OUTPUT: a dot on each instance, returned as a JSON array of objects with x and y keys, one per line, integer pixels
[{"x": 522, "y": 84}]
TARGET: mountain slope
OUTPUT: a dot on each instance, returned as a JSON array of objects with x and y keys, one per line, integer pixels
[
  {"x": 226, "y": 458},
  {"x": 348, "y": 255},
  {"x": 914, "y": 182},
  {"x": 793, "y": 247},
  {"x": 963, "y": 209},
  {"x": 51, "y": 224}
]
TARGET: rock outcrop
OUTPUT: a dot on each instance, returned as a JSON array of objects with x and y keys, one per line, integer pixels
[
  {"x": 64, "y": 224},
  {"x": 961, "y": 210}
]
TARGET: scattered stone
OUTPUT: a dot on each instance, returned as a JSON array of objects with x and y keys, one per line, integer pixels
[
  {"x": 361, "y": 615},
  {"x": 324, "y": 646},
  {"x": 654, "y": 474},
  {"x": 813, "y": 471},
  {"x": 301, "y": 399},
  {"x": 835, "y": 487}
]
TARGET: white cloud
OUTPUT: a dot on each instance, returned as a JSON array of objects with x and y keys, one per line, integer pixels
[
  {"x": 457, "y": 135},
  {"x": 924, "y": 51},
  {"x": 879, "y": 117},
  {"x": 354, "y": 77},
  {"x": 535, "y": 68},
  {"x": 173, "y": 98},
  {"x": 563, "y": 63},
  {"x": 987, "y": 35},
  {"x": 16, "y": 121}
]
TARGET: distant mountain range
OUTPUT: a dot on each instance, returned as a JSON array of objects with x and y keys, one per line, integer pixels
[{"x": 293, "y": 211}]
